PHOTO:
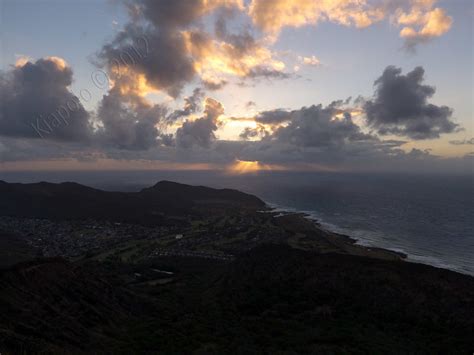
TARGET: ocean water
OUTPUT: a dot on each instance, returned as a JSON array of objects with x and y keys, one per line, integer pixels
[{"x": 429, "y": 218}]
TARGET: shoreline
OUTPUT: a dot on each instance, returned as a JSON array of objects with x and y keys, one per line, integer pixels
[
  {"x": 330, "y": 241},
  {"x": 355, "y": 246}
]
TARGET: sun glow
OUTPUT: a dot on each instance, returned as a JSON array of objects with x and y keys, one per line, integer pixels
[{"x": 240, "y": 167}]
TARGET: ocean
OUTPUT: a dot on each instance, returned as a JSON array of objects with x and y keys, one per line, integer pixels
[{"x": 428, "y": 217}]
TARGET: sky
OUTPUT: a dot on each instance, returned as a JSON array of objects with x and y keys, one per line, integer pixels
[{"x": 238, "y": 86}]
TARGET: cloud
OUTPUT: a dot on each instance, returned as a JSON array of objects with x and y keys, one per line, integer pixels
[
  {"x": 400, "y": 107},
  {"x": 273, "y": 16},
  {"x": 265, "y": 122},
  {"x": 267, "y": 73},
  {"x": 419, "y": 20},
  {"x": 422, "y": 24},
  {"x": 168, "y": 45},
  {"x": 317, "y": 138},
  {"x": 200, "y": 132},
  {"x": 312, "y": 136},
  {"x": 37, "y": 102},
  {"x": 318, "y": 126},
  {"x": 214, "y": 84},
  {"x": 154, "y": 54},
  {"x": 177, "y": 13},
  {"x": 128, "y": 122},
  {"x": 165, "y": 47},
  {"x": 239, "y": 56},
  {"x": 312, "y": 61},
  {"x": 272, "y": 117},
  {"x": 253, "y": 133},
  {"x": 250, "y": 104},
  {"x": 158, "y": 57},
  {"x": 463, "y": 142},
  {"x": 192, "y": 104}
]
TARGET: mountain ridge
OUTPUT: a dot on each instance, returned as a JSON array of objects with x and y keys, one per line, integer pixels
[{"x": 70, "y": 200}]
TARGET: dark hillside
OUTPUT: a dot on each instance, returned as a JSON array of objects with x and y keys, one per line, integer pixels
[{"x": 149, "y": 206}]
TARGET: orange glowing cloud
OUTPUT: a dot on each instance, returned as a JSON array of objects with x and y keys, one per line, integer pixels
[
  {"x": 60, "y": 62},
  {"x": 21, "y": 61},
  {"x": 129, "y": 82},
  {"x": 212, "y": 57},
  {"x": 207, "y": 6},
  {"x": 419, "y": 21},
  {"x": 272, "y": 16},
  {"x": 431, "y": 24}
]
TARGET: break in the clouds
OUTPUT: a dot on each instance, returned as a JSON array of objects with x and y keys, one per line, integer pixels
[
  {"x": 36, "y": 102},
  {"x": 400, "y": 106}
]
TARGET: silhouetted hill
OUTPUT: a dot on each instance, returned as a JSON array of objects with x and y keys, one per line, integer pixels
[
  {"x": 180, "y": 197},
  {"x": 149, "y": 206}
]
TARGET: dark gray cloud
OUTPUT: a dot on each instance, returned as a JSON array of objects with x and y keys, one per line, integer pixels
[
  {"x": 165, "y": 41},
  {"x": 273, "y": 116},
  {"x": 154, "y": 42},
  {"x": 242, "y": 43},
  {"x": 153, "y": 46},
  {"x": 250, "y": 104},
  {"x": 268, "y": 73},
  {"x": 317, "y": 126},
  {"x": 36, "y": 102},
  {"x": 159, "y": 54},
  {"x": 463, "y": 142},
  {"x": 129, "y": 125},
  {"x": 214, "y": 85},
  {"x": 248, "y": 133},
  {"x": 192, "y": 104},
  {"x": 258, "y": 132},
  {"x": 200, "y": 132},
  {"x": 176, "y": 13},
  {"x": 320, "y": 135},
  {"x": 400, "y": 106}
]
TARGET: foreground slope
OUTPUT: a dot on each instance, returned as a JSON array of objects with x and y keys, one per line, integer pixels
[{"x": 273, "y": 299}]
